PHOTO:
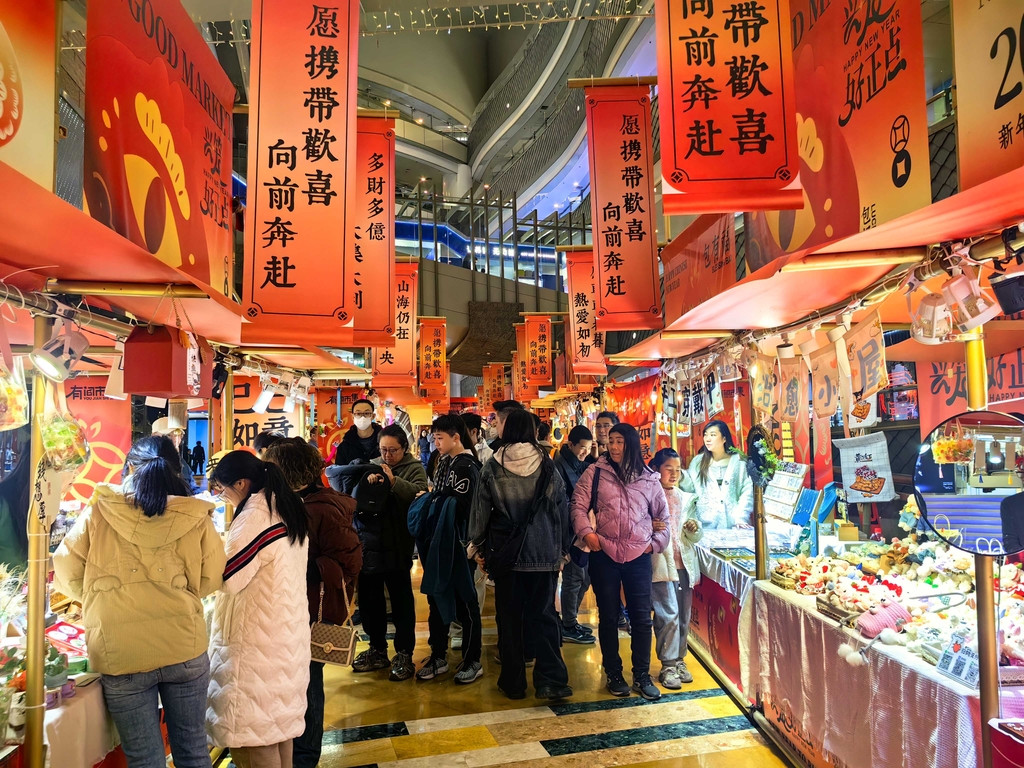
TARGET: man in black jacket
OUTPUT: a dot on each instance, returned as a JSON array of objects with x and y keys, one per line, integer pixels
[
  {"x": 360, "y": 443},
  {"x": 570, "y": 462}
]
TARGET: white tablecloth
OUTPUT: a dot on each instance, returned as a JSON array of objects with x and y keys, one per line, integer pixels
[
  {"x": 80, "y": 733},
  {"x": 897, "y": 710},
  {"x": 728, "y": 576}
]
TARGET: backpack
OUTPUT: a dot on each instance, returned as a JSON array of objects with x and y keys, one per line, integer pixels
[{"x": 372, "y": 498}]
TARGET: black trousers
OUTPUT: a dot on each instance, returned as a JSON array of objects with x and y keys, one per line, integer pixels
[
  {"x": 635, "y": 578},
  {"x": 373, "y": 609},
  {"x": 306, "y": 748},
  {"x": 525, "y": 607}
]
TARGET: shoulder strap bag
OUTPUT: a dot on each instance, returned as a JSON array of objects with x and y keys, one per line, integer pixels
[
  {"x": 504, "y": 558},
  {"x": 333, "y": 643}
]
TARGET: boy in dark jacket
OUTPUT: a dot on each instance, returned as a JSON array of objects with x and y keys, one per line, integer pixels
[{"x": 570, "y": 462}]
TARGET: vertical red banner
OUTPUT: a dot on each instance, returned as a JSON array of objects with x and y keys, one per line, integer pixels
[
  {"x": 433, "y": 354},
  {"x": 627, "y": 285},
  {"x": 583, "y": 340},
  {"x": 302, "y": 171},
  {"x": 396, "y": 366},
  {"x": 725, "y": 80},
  {"x": 372, "y": 255},
  {"x": 538, "y": 351},
  {"x": 521, "y": 391},
  {"x": 494, "y": 384},
  {"x": 28, "y": 87},
  {"x": 108, "y": 427},
  {"x": 157, "y": 134}
]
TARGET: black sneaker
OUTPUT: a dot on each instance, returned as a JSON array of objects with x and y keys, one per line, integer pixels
[
  {"x": 576, "y": 635},
  {"x": 554, "y": 692},
  {"x": 371, "y": 660},
  {"x": 402, "y": 667},
  {"x": 617, "y": 685},
  {"x": 646, "y": 688},
  {"x": 514, "y": 696},
  {"x": 585, "y": 629}
]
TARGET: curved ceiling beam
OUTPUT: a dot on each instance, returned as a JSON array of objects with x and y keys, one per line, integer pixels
[{"x": 417, "y": 93}]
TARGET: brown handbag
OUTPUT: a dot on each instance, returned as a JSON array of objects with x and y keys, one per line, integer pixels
[{"x": 332, "y": 643}]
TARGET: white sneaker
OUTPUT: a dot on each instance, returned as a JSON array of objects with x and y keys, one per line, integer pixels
[
  {"x": 469, "y": 672},
  {"x": 457, "y": 642},
  {"x": 685, "y": 676},
  {"x": 669, "y": 678}
]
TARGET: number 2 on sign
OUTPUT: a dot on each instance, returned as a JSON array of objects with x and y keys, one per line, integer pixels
[{"x": 1004, "y": 98}]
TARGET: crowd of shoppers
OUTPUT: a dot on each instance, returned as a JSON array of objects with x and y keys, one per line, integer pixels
[{"x": 143, "y": 555}]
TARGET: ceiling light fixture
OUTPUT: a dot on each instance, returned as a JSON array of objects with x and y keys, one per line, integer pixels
[{"x": 57, "y": 357}]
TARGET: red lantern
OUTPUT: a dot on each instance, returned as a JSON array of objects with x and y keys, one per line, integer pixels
[{"x": 167, "y": 362}]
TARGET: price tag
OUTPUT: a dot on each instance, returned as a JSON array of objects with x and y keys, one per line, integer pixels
[{"x": 960, "y": 662}]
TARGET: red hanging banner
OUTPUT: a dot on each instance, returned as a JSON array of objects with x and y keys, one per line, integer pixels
[
  {"x": 627, "y": 285},
  {"x": 697, "y": 268},
  {"x": 538, "y": 351},
  {"x": 158, "y": 105},
  {"x": 793, "y": 388},
  {"x": 494, "y": 384},
  {"x": 108, "y": 426},
  {"x": 433, "y": 352},
  {"x": 584, "y": 342},
  {"x": 302, "y": 171},
  {"x": 396, "y": 366},
  {"x": 725, "y": 81},
  {"x": 521, "y": 391},
  {"x": 372, "y": 255}
]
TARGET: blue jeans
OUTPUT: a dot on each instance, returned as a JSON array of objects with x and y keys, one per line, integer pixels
[
  {"x": 635, "y": 578},
  {"x": 132, "y": 701},
  {"x": 306, "y": 748}
]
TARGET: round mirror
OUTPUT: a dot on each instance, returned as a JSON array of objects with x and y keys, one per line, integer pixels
[{"x": 967, "y": 482}]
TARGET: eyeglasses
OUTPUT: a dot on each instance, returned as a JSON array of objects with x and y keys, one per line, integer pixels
[
  {"x": 362, "y": 413},
  {"x": 390, "y": 451},
  {"x": 216, "y": 488}
]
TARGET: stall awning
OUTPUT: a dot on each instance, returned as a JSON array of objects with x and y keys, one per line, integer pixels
[
  {"x": 664, "y": 345},
  {"x": 42, "y": 233}
]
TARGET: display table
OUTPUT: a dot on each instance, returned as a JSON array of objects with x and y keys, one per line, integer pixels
[
  {"x": 720, "y": 619},
  {"x": 897, "y": 710},
  {"x": 80, "y": 734}
]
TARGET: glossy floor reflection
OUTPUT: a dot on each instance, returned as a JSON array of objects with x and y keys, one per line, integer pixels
[{"x": 374, "y": 722}]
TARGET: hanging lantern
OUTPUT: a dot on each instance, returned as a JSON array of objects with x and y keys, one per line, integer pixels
[
  {"x": 932, "y": 322},
  {"x": 969, "y": 306}
]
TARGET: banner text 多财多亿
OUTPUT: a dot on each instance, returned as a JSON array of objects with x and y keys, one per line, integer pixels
[
  {"x": 28, "y": 87},
  {"x": 862, "y": 125},
  {"x": 158, "y": 136},
  {"x": 108, "y": 428},
  {"x": 942, "y": 388}
]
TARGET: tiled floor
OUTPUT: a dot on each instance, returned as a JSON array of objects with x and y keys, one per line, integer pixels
[{"x": 374, "y": 722}]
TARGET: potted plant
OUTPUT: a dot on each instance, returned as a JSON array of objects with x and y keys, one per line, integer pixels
[{"x": 55, "y": 670}]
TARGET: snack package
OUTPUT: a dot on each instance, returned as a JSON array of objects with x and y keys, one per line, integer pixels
[
  {"x": 65, "y": 446},
  {"x": 13, "y": 398}
]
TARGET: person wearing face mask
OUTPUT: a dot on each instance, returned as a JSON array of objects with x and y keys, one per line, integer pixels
[
  {"x": 602, "y": 425},
  {"x": 259, "y": 638},
  {"x": 140, "y": 558},
  {"x": 360, "y": 445},
  {"x": 571, "y": 463},
  {"x": 718, "y": 475}
]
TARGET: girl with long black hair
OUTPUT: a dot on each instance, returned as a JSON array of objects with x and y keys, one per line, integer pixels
[
  {"x": 140, "y": 558},
  {"x": 618, "y": 526},
  {"x": 718, "y": 475},
  {"x": 259, "y": 645}
]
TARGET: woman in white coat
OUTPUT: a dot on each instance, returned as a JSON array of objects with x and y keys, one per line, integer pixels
[
  {"x": 718, "y": 475},
  {"x": 259, "y": 648}
]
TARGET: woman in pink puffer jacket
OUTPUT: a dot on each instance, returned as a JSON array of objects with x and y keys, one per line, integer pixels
[{"x": 629, "y": 501}]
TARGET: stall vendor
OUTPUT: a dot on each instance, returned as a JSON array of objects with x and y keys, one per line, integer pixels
[{"x": 718, "y": 475}]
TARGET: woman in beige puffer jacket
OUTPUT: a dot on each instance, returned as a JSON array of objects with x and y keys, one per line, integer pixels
[{"x": 140, "y": 558}]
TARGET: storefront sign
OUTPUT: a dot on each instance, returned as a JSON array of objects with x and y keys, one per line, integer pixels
[
  {"x": 372, "y": 255},
  {"x": 989, "y": 75},
  {"x": 865, "y": 346},
  {"x": 725, "y": 78},
  {"x": 108, "y": 427},
  {"x": 762, "y": 384},
  {"x": 302, "y": 167},
  {"x": 793, "y": 388},
  {"x": 825, "y": 381},
  {"x": 248, "y": 424},
  {"x": 628, "y": 289},
  {"x": 942, "y": 388},
  {"x": 697, "y": 268},
  {"x": 862, "y": 126},
  {"x": 635, "y": 402},
  {"x": 27, "y": 87},
  {"x": 158, "y": 135},
  {"x": 433, "y": 354},
  {"x": 585, "y": 342},
  {"x": 396, "y": 366},
  {"x": 538, "y": 351}
]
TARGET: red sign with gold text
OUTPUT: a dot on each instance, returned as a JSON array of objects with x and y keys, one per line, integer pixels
[
  {"x": 862, "y": 126},
  {"x": 248, "y": 424},
  {"x": 28, "y": 87},
  {"x": 725, "y": 82},
  {"x": 697, "y": 268},
  {"x": 942, "y": 388},
  {"x": 585, "y": 342},
  {"x": 302, "y": 170},
  {"x": 108, "y": 427},
  {"x": 521, "y": 391},
  {"x": 538, "y": 351},
  {"x": 158, "y": 136},
  {"x": 628, "y": 289},
  {"x": 372, "y": 256},
  {"x": 396, "y": 366},
  {"x": 494, "y": 384},
  {"x": 433, "y": 354},
  {"x": 989, "y": 69}
]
